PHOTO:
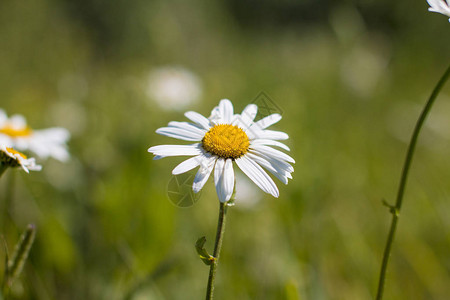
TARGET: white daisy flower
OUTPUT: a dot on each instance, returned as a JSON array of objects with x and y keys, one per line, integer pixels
[
  {"x": 224, "y": 138},
  {"x": 51, "y": 142},
  {"x": 440, "y": 6},
  {"x": 12, "y": 158},
  {"x": 173, "y": 88}
]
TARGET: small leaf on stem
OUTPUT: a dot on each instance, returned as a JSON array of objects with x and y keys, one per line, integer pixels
[
  {"x": 202, "y": 253},
  {"x": 391, "y": 207}
]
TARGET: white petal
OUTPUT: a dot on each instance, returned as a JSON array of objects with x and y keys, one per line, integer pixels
[
  {"x": 269, "y": 142},
  {"x": 271, "y": 135},
  {"x": 6, "y": 140},
  {"x": 59, "y": 152},
  {"x": 46, "y": 143},
  {"x": 249, "y": 114},
  {"x": 281, "y": 164},
  {"x": 272, "y": 152},
  {"x": 224, "y": 179},
  {"x": 56, "y": 134},
  {"x": 237, "y": 121},
  {"x": 24, "y": 168},
  {"x": 267, "y": 121},
  {"x": 188, "y": 126},
  {"x": 226, "y": 111},
  {"x": 29, "y": 164},
  {"x": 257, "y": 175},
  {"x": 443, "y": 4},
  {"x": 439, "y": 6},
  {"x": 188, "y": 164},
  {"x": 215, "y": 117},
  {"x": 18, "y": 121},
  {"x": 175, "y": 150},
  {"x": 266, "y": 134},
  {"x": 280, "y": 173},
  {"x": 218, "y": 179},
  {"x": 203, "y": 173},
  {"x": 198, "y": 119},
  {"x": 228, "y": 178},
  {"x": 178, "y": 133}
]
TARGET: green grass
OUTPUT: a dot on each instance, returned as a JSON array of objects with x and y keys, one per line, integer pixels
[{"x": 349, "y": 100}]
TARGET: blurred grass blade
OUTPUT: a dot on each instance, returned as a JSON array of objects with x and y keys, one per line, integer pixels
[
  {"x": 202, "y": 253},
  {"x": 5, "y": 273},
  {"x": 291, "y": 290},
  {"x": 20, "y": 255}
]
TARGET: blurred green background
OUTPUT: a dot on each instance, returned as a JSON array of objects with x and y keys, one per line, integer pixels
[{"x": 350, "y": 78}]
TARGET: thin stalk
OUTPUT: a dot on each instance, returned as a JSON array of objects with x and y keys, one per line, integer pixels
[
  {"x": 395, "y": 210},
  {"x": 217, "y": 247}
]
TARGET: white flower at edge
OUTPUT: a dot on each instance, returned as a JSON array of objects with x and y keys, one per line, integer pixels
[
  {"x": 440, "y": 6},
  {"x": 13, "y": 158},
  {"x": 173, "y": 88},
  {"x": 51, "y": 142},
  {"x": 224, "y": 138}
]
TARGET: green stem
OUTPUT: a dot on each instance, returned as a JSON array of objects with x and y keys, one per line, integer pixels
[
  {"x": 217, "y": 247},
  {"x": 395, "y": 210}
]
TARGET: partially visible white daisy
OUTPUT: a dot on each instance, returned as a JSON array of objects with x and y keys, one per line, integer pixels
[
  {"x": 12, "y": 158},
  {"x": 224, "y": 138},
  {"x": 440, "y": 6},
  {"x": 173, "y": 88},
  {"x": 51, "y": 142}
]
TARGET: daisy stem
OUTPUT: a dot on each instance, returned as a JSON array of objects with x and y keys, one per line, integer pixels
[
  {"x": 217, "y": 247},
  {"x": 395, "y": 210}
]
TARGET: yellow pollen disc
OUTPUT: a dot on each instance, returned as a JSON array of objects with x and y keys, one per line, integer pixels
[
  {"x": 8, "y": 130},
  {"x": 12, "y": 151},
  {"x": 227, "y": 141}
]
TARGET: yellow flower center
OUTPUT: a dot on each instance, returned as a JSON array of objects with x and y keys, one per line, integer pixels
[
  {"x": 13, "y": 132},
  {"x": 12, "y": 151},
  {"x": 227, "y": 141}
]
